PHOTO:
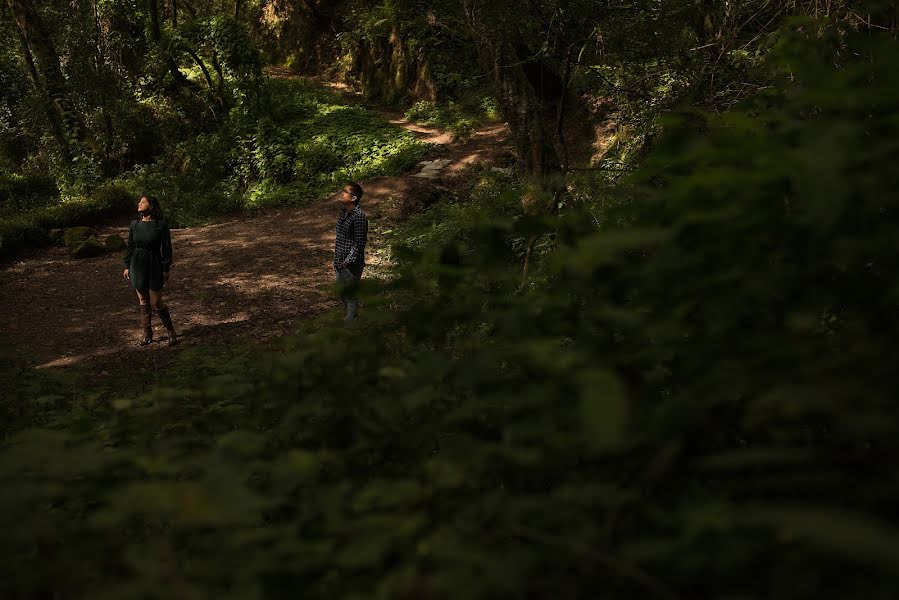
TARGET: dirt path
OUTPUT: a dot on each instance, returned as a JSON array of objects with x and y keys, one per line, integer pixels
[{"x": 245, "y": 277}]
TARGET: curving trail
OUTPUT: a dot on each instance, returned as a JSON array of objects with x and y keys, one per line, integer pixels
[{"x": 247, "y": 277}]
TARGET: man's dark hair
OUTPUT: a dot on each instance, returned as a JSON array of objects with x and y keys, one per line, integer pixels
[{"x": 355, "y": 189}]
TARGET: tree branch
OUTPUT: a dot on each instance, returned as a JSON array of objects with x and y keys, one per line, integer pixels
[{"x": 202, "y": 66}]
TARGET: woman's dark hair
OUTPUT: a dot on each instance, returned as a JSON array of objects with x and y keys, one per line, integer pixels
[
  {"x": 155, "y": 208},
  {"x": 355, "y": 189}
]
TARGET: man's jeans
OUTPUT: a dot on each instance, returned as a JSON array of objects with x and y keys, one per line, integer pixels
[{"x": 347, "y": 282}]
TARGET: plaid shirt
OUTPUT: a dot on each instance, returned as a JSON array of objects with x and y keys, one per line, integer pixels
[{"x": 352, "y": 234}]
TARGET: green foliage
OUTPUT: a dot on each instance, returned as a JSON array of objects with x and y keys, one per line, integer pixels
[
  {"x": 231, "y": 53},
  {"x": 309, "y": 143},
  {"x": 491, "y": 196},
  {"x": 697, "y": 404},
  {"x": 453, "y": 117},
  {"x": 123, "y": 104},
  {"x": 406, "y": 50},
  {"x": 696, "y": 401},
  {"x": 491, "y": 109},
  {"x": 21, "y": 228},
  {"x": 312, "y": 143},
  {"x": 23, "y": 192}
]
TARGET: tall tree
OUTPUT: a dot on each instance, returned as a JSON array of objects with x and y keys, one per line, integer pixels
[
  {"x": 517, "y": 48},
  {"x": 178, "y": 78},
  {"x": 46, "y": 75}
]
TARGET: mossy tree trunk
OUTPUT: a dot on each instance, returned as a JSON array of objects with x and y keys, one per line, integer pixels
[
  {"x": 388, "y": 70},
  {"x": 46, "y": 75}
]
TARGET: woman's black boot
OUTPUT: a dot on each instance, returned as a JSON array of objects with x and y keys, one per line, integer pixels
[
  {"x": 166, "y": 319},
  {"x": 146, "y": 320}
]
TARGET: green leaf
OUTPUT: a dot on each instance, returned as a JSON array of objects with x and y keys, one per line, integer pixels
[{"x": 603, "y": 404}]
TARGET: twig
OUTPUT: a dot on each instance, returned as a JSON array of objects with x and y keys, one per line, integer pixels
[{"x": 867, "y": 22}]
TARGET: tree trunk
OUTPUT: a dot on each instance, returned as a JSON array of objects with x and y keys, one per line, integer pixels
[
  {"x": 156, "y": 34},
  {"x": 560, "y": 119},
  {"x": 203, "y": 68},
  {"x": 218, "y": 70},
  {"x": 155, "y": 31},
  {"x": 519, "y": 102},
  {"x": 46, "y": 74},
  {"x": 189, "y": 8}
]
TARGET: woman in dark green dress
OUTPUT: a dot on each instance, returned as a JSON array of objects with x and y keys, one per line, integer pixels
[{"x": 147, "y": 264}]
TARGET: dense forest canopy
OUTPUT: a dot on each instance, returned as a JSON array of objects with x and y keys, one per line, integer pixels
[{"x": 652, "y": 359}]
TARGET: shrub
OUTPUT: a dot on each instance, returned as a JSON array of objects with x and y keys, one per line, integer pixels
[
  {"x": 461, "y": 121},
  {"x": 700, "y": 402},
  {"x": 30, "y": 227},
  {"x": 20, "y": 193}
]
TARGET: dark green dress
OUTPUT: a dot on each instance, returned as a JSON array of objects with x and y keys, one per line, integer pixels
[{"x": 149, "y": 254}]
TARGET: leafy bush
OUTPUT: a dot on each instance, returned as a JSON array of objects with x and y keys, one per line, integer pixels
[
  {"x": 23, "y": 192},
  {"x": 489, "y": 197},
  {"x": 459, "y": 120},
  {"x": 18, "y": 230},
  {"x": 699, "y": 404},
  {"x": 491, "y": 109},
  {"x": 312, "y": 143},
  {"x": 309, "y": 143}
]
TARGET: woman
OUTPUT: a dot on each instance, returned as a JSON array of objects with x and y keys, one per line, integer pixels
[{"x": 147, "y": 264}]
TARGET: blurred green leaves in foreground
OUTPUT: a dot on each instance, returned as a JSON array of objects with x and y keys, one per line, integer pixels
[{"x": 693, "y": 401}]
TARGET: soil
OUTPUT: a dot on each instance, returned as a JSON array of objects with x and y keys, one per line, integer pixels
[{"x": 244, "y": 278}]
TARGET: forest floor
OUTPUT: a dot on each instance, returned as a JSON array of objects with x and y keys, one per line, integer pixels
[{"x": 247, "y": 278}]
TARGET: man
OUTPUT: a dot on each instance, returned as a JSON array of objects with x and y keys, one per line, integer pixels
[{"x": 349, "y": 247}]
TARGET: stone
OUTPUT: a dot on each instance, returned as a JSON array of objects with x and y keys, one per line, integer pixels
[
  {"x": 115, "y": 243},
  {"x": 431, "y": 168},
  {"x": 90, "y": 247},
  {"x": 75, "y": 236},
  {"x": 55, "y": 235}
]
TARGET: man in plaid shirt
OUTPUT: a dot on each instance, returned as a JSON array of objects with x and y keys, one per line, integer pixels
[{"x": 349, "y": 247}]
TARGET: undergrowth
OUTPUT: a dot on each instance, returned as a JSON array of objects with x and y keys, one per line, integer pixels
[
  {"x": 459, "y": 118},
  {"x": 304, "y": 144},
  {"x": 697, "y": 402}
]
